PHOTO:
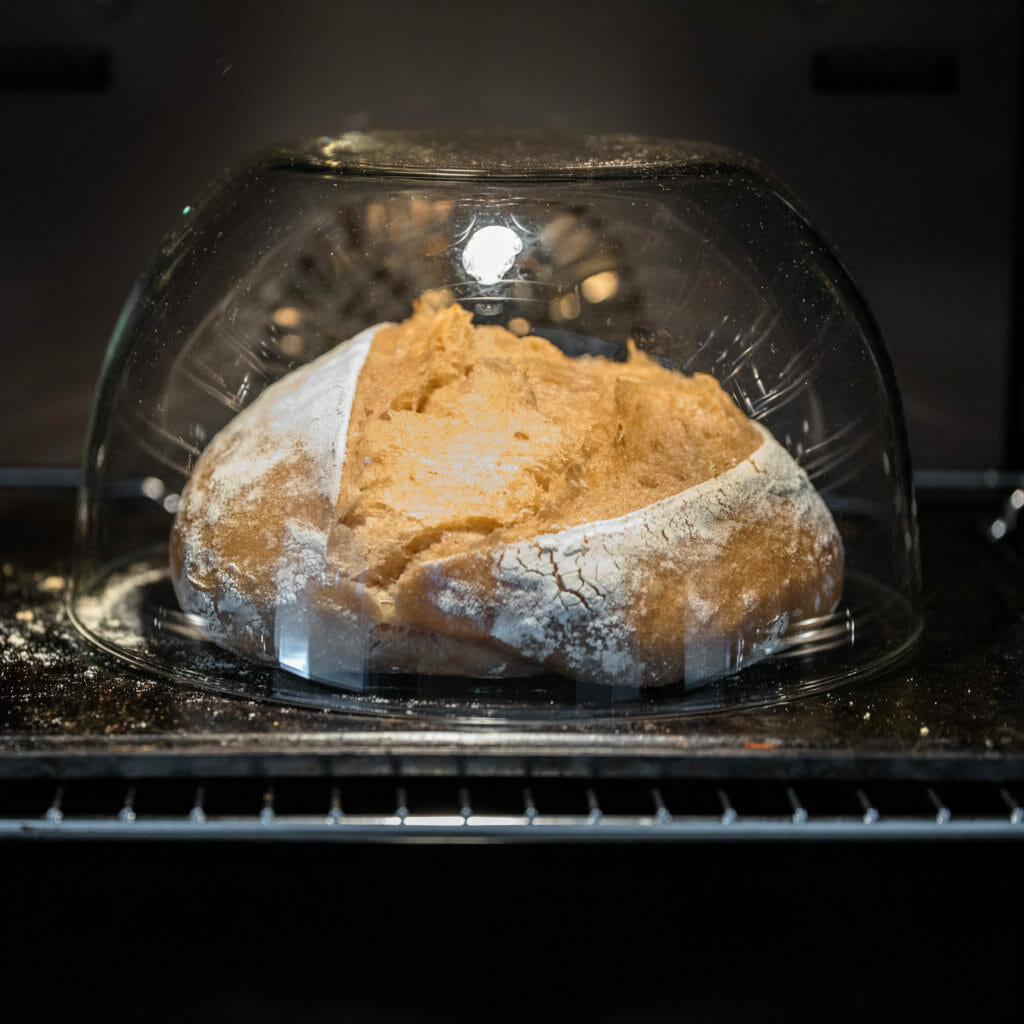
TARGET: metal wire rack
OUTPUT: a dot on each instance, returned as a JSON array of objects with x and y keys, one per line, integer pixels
[
  {"x": 89, "y": 751},
  {"x": 475, "y": 809}
]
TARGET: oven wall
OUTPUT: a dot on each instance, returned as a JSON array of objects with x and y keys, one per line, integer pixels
[{"x": 897, "y": 123}]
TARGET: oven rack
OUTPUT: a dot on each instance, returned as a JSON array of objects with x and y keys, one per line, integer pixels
[
  {"x": 481, "y": 809},
  {"x": 92, "y": 750}
]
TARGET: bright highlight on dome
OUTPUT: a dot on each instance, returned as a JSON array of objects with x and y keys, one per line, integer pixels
[{"x": 490, "y": 253}]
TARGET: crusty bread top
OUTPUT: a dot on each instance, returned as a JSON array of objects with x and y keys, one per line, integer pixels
[
  {"x": 432, "y": 480},
  {"x": 458, "y": 434}
]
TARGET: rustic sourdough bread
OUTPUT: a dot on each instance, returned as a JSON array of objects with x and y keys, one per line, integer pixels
[{"x": 437, "y": 498}]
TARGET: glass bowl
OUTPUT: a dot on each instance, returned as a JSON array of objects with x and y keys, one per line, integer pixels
[{"x": 612, "y": 268}]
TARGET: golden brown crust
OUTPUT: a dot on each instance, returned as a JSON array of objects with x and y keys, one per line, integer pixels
[
  {"x": 698, "y": 584},
  {"x": 486, "y": 505},
  {"x": 465, "y": 431}
]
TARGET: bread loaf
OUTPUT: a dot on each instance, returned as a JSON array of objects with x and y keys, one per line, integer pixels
[{"x": 437, "y": 498}]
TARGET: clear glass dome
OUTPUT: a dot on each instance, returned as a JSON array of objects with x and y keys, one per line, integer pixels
[{"x": 394, "y": 423}]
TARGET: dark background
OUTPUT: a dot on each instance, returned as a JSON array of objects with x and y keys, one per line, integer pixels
[
  {"x": 607, "y": 934},
  {"x": 897, "y": 122}
]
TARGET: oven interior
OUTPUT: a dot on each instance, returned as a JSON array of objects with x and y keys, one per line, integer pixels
[{"x": 184, "y": 841}]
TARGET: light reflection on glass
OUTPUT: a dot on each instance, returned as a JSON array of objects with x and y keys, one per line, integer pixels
[
  {"x": 490, "y": 253},
  {"x": 601, "y": 286},
  {"x": 287, "y": 316},
  {"x": 565, "y": 307},
  {"x": 291, "y": 345}
]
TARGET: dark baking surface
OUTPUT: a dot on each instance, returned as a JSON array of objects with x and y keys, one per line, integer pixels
[
  {"x": 954, "y": 710},
  {"x": 604, "y": 932}
]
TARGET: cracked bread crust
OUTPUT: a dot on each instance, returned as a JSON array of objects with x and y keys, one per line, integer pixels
[
  {"x": 434, "y": 498},
  {"x": 694, "y": 586}
]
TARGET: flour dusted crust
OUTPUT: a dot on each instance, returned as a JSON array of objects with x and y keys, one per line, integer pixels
[{"x": 436, "y": 498}]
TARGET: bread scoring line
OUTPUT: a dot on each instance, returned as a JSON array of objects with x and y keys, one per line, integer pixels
[{"x": 534, "y": 615}]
